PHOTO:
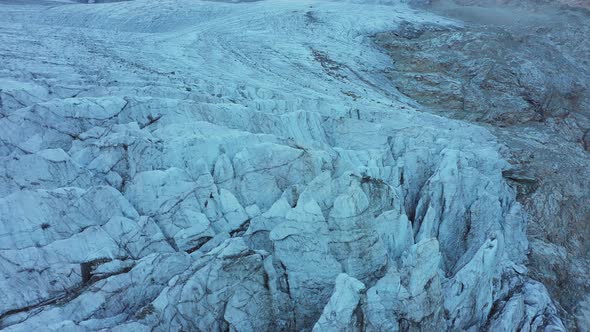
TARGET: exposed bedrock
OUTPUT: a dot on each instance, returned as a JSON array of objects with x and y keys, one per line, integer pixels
[{"x": 521, "y": 70}]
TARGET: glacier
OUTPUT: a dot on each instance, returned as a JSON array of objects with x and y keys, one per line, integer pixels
[{"x": 184, "y": 165}]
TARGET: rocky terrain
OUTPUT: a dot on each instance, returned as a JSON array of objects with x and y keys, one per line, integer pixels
[
  {"x": 184, "y": 165},
  {"x": 521, "y": 70}
]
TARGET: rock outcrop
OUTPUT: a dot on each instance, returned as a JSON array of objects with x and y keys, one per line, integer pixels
[{"x": 520, "y": 69}]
